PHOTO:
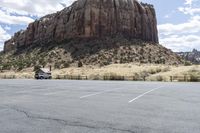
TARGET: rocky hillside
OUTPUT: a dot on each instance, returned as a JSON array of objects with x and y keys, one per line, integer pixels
[
  {"x": 89, "y": 32},
  {"x": 193, "y": 56},
  {"x": 90, "y": 18},
  {"x": 98, "y": 52}
]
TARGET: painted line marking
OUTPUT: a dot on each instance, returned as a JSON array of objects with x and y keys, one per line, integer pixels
[
  {"x": 98, "y": 93},
  {"x": 55, "y": 93},
  {"x": 145, "y": 94}
]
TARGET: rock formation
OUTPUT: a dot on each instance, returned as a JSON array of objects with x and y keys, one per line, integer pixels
[
  {"x": 193, "y": 57},
  {"x": 90, "y": 18}
]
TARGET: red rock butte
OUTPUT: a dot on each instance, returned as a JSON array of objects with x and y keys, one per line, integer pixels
[{"x": 90, "y": 18}]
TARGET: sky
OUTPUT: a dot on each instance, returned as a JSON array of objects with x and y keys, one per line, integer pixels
[{"x": 178, "y": 20}]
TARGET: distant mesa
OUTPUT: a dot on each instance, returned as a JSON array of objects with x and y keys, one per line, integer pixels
[
  {"x": 193, "y": 56},
  {"x": 90, "y": 19}
]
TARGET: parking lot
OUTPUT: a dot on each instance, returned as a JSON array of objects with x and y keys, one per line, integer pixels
[{"x": 62, "y": 106}]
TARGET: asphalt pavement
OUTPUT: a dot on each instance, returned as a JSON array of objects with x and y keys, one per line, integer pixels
[{"x": 62, "y": 106}]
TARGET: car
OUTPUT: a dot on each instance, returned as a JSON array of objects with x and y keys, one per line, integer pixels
[{"x": 43, "y": 73}]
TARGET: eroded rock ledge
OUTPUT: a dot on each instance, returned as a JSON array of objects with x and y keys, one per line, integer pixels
[{"x": 90, "y": 18}]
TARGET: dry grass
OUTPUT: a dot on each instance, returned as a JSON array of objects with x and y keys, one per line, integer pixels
[
  {"x": 25, "y": 74},
  {"x": 151, "y": 71}
]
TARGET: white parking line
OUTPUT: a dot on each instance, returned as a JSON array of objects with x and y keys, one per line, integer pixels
[
  {"x": 55, "y": 93},
  {"x": 98, "y": 93},
  {"x": 144, "y": 94}
]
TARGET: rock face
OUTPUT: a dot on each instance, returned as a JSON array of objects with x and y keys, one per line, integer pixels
[
  {"x": 90, "y": 18},
  {"x": 193, "y": 57}
]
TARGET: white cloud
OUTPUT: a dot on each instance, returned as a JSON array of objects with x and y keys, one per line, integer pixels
[
  {"x": 34, "y": 7},
  {"x": 19, "y": 12},
  {"x": 192, "y": 26},
  {"x": 3, "y": 37},
  {"x": 183, "y": 36},
  {"x": 1, "y": 47},
  {"x": 7, "y": 28},
  {"x": 11, "y": 19},
  {"x": 181, "y": 42},
  {"x": 188, "y": 2},
  {"x": 3, "y": 34},
  {"x": 189, "y": 10}
]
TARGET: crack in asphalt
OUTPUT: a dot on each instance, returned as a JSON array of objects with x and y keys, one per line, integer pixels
[{"x": 64, "y": 122}]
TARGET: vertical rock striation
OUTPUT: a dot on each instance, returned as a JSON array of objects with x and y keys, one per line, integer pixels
[{"x": 90, "y": 18}]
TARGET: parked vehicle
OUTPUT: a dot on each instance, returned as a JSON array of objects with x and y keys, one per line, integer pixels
[{"x": 43, "y": 73}]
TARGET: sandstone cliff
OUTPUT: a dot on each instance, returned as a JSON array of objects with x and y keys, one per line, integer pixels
[{"x": 88, "y": 19}]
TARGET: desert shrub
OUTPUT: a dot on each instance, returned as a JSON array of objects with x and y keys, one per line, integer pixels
[
  {"x": 66, "y": 64},
  {"x": 194, "y": 78},
  {"x": 6, "y": 66},
  {"x": 152, "y": 71},
  {"x": 49, "y": 60},
  {"x": 159, "y": 78},
  {"x": 57, "y": 65},
  {"x": 80, "y": 64},
  {"x": 20, "y": 68},
  {"x": 166, "y": 69},
  {"x": 20, "y": 65},
  {"x": 180, "y": 78},
  {"x": 143, "y": 61},
  {"x": 110, "y": 74},
  {"x": 94, "y": 77},
  {"x": 143, "y": 75},
  {"x": 42, "y": 62},
  {"x": 141, "y": 51},
  {"x": 162, "y": 60},
  {"x": 194, "y": 70},
  {"x": 58, "y": 77},
  {"x": 157, "y": 62},
  {"x": 158, "y": 70},
  {"x": 36, "y": 68},
  {"x": 28, "y": 64},
  {"x": 136, "y": 76},
  {"x": 113, "y": 76},
  {"x": 121, "y": 61},
  {"x": 187, "y": 63}
]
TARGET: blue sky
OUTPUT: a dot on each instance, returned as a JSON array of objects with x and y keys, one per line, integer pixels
[{"x": 178, "y": 20}]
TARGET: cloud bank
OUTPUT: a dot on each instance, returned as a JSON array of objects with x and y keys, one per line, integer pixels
[
  {"x": 183, "y": 36},
  {"x": 3, "y": 37}
]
